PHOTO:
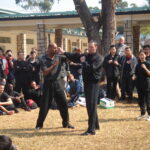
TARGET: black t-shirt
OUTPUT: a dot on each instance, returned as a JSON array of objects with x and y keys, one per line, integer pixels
[
  {"x": 46, "y": 62},
  {"x": 4, "y": 97},
  {"x": 13, "y": 93},
  {"x": 143, "y": 80}
]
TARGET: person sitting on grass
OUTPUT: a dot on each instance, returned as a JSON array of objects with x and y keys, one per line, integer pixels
[
  {"x": 6, "y": 143},
  {"x": 6, "y": 104},
  {"x": 34, "y": 92},
  {"x": 73, "y": 90},
  {"x": 17, "y": 98}
]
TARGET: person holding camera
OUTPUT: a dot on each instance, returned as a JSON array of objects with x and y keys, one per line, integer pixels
[
  {"x": 10, "y": 61},
  {"x": 3, "y": 65},
  {"x": 112, "y": 68}
]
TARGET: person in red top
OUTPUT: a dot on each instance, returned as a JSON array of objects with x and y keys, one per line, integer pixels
[{"x": 3, "y": 65}]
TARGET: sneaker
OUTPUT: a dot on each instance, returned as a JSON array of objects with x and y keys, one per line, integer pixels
[
  {"x": 27, "y": 109},
  {"x": 88, "y": 133},
  {"x": 71, "y": 104},
  {"x": 141, "y": 117},
  {"x": 148, "y": 118}
]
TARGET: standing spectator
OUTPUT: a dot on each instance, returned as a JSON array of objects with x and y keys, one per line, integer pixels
[
  {"x": 52, "y": 88},
  {"x": 128, "y": 64},
  {"x": 146, "y": 49},
  {"x": 10, "y": 61},
  {"x": 35, "y": 67},
  {"x": 142, "y": 76},
  {"x": 112, "y": 68},
  {"x": 92, "y": 73},
  {"x": 3, "y": 65},
  {"x": 120, "y": 46},
  {"x": 22, "y": 69},
  {"x": 76, "y": 68}
]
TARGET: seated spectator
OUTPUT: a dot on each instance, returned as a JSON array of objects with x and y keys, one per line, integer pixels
[
  {"x": 34, "y": 92},
  {"x": 17, "y": 98},
  {"x": 6, "y": 104},
  {"x": 6, "y": 143},
  {"x": 73, "y": 90}
]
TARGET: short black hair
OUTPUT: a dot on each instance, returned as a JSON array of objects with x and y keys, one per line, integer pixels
[
  {"x": 2, "y": 50},
  {"x": 111, "y": 46},
  {"x": 9, "y": 50},
  {"x": 5, "y": 142},
  {"x": 146, "y": 46}
]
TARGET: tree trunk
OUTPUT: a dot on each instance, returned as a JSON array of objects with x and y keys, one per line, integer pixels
[
  {"x": 109, "y": 24},
  {"x": 91, "y": 27}
]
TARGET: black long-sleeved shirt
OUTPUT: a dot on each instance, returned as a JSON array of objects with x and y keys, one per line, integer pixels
[{"x": 91, "y": 68}]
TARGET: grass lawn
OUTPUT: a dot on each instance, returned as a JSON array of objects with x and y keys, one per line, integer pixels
[{"x": 119, "y": 130}]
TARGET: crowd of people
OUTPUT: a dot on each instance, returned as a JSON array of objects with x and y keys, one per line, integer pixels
[{"x": 41, "y": 81}]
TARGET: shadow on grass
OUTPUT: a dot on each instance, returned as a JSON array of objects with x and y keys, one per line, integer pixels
[
  {"x": 25, "y": 133},
  {"x": 111, "y": 120}
]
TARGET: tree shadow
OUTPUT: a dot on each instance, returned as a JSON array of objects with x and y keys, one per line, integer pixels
[{"x": 30, "y": 132}]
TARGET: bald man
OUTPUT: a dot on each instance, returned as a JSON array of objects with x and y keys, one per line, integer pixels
[
  {"x": 52, "y": 89},
  {"x": 120, "y": 46}
]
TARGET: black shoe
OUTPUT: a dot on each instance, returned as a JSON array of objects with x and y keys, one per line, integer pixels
[
  {"x": 88, "y": 133},
  {"x": 97, "y": 128},
  {"x": 68, "y": 126},
  {"x": 16, "y": 111},
  {"x": 27, "y": 109}
]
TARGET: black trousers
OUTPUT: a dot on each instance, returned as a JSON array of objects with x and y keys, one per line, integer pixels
[
  {"x": 91, "y": 96},
  {"x": 23, "y": 103},
  {"x": 127, "y": 87},
  {"x": 144, "y": 101},
  {"x": 22, "y": 85},
  {"x": 111, "y": 87},
  {"x": 53, "y": 90}
]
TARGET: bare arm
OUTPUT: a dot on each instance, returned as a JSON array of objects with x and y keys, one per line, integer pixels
[
  {"x": 146, "y": 69},
  {"x": 50, "y": 69},
  {"x": 9, "y": 102}
]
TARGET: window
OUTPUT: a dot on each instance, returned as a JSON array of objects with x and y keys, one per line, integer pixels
[
  {"x": 30, "y": 41},
  {"x": 5, "y": 40}
]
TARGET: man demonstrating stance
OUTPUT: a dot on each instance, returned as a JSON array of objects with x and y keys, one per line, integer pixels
[
  {"x": 91, "y": 65},
  {"x": 51, "y": 66}
]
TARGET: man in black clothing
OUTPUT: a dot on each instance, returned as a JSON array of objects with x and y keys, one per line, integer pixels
[
  {"x": 6, "y": 104},
  {"x": 22, "y": 69},
  {"x": 34, "y": 92},
  {"x": 91, "y": 71},
  {"x": 17, "y": 98},
  {"x": 112, "y": 68},
  {"x": 146, "y": 49},
  {"x": 51, "y": 65},
  {"x": 34, "y": 63},
  {"x": 128, "y": 64}
]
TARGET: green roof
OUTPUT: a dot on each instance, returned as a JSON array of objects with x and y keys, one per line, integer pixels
[{"x": 70, "y": 13}]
